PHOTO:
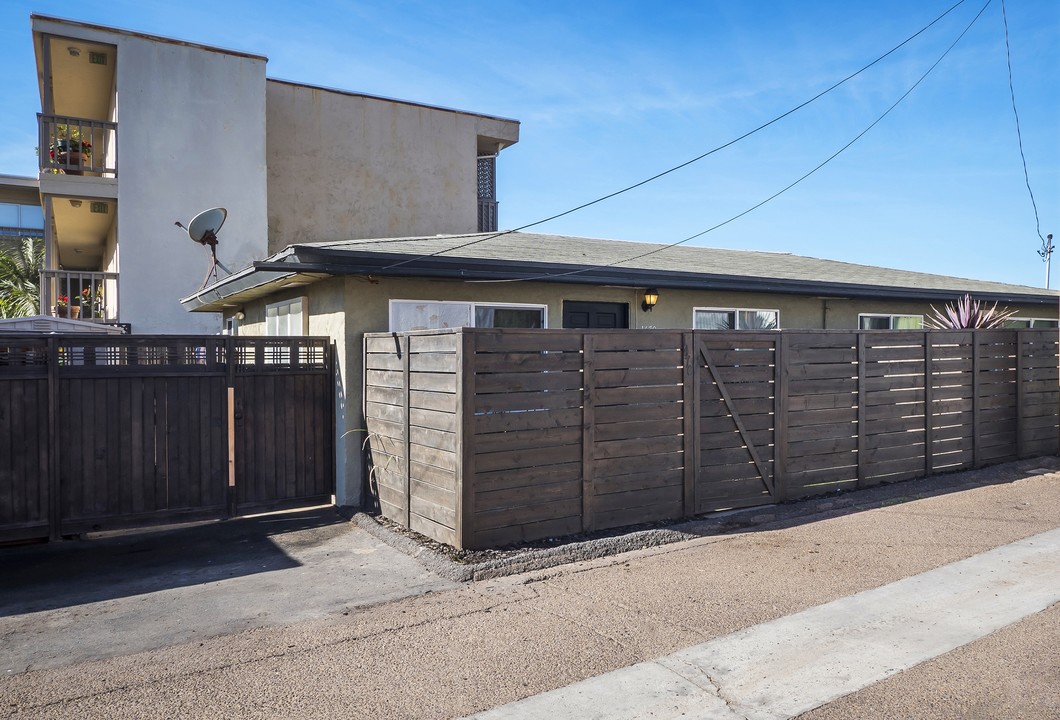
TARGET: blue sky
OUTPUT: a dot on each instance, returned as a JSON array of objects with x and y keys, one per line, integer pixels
[{"x": 610, "y": 93}]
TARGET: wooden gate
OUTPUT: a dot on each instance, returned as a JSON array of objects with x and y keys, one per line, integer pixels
[
  {"x": 736, "y": 380},
  {"x": 105, "y": 432}
]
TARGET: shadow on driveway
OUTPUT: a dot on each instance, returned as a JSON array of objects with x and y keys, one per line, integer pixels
[{"x": 70, "y": 573}]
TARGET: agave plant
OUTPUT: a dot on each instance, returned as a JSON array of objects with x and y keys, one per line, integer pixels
[{"x": 966, "y": 313}]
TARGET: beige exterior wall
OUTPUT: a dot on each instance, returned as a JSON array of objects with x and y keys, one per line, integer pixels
[
  {"x": 345, "y": 309},
  {"x": 343, "y": 166}
]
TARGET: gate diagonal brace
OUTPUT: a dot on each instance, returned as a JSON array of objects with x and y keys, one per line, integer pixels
[{"x": 766, "y": 479}]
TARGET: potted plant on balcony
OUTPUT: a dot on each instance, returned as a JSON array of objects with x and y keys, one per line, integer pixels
[
  {"x": 91, "y": 306},
  {"x": 69, "y": 150},
  {"x": 62, "y": 307}
]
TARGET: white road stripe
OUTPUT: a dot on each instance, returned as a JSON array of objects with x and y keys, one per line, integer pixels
[{"x": 793, "y": 664}]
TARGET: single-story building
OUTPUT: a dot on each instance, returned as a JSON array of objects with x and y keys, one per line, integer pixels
[{"x": 517, "y": 279}]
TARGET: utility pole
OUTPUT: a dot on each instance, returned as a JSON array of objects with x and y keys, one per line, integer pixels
[{"x": 1046, "y": 253}]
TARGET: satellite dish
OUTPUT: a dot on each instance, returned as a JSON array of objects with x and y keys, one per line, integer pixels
[
  {"x": 206, "y": 224},
  {"x": 203, "y": 230}
]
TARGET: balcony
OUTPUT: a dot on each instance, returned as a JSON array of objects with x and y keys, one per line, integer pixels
[
  {"x": 77, "y": 146},
  {"x": 91, "y": 296}
]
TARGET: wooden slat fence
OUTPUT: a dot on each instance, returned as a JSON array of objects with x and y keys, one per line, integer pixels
[
  {"x": 500, "y": 436},
  {"x": 105, "y": 432}
]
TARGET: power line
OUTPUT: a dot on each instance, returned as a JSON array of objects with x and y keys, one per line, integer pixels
[
  {"x": 771, "y": 197},
  {"x": 693, "y": 160},
  {"x": 1019, "y": 135}
]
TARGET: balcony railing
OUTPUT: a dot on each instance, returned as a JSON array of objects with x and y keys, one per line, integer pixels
[
  {"x": 87, "y": 295},
  {"x": 76, "y": 146}
]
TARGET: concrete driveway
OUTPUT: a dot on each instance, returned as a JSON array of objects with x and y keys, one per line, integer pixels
[{"x": 73, "y": 601}]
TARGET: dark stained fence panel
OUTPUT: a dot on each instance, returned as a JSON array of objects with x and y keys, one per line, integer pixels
[
  {"x": 822, "y": 399},
  {"x": 139, "y": 430},
  {"x": 521, "y": 435},
  {"x": 525, "y": 436},
  {"x": 24, "y": 449}
]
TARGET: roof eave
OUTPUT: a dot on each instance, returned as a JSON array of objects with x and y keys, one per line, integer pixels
[{"x": 344, "y": 262}]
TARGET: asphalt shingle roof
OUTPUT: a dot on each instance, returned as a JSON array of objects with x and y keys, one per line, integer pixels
[{"x": 520, "y": 248}]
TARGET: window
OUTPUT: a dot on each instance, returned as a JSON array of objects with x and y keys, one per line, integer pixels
[
  {"x": 867, "y": 321},
  {"x": 735, "y": 319},
  {"x": 1037, "y": 323},
  {"x": 21, "y": 220},
  {"x": 287, "y": 318},
  {"x": 434, "y": 315}
]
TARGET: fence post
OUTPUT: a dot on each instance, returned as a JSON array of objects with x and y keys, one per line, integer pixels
[
  {"x": 1020, "y": 393},
  {"x": 861, "y": 407},
  {"x": 230, "y": 385},
  {"x": 588, "y": 427},
  {"x": 929, "y": 399},
  {"x": 54, "y": 488},
  {"x": 465, "y": 433},
  {"x": 691, "y": 421},
  {"x": 976, "y": 440},
  {"x": 406, "y": 346},
  {"x": 780, "y": 417}
]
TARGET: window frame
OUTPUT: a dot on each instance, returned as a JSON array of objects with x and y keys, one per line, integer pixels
[
  {"x": 471, "y": 305},
  {"x": 303, "y": 331},
  {"x": 1032, "y": 320},
  {"x": 891, "y": 317},
  {"x": 736, "y": 315}
]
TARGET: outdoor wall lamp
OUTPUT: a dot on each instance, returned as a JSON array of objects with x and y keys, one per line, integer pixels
[{"x": 651, "y": 296}]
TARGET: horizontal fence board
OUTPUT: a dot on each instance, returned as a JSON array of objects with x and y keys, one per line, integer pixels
[
  {"x": 526, "y": 439},
  {"x": 527, "y": 477},
  {"x": 638, "y": 481},
  {"x": 636, "y": 395},
  {"x": 651, "y": 341},
  {"x": 534, "y": 420},
  {"x": 637, "y": 428},
  {"x": 518, "y": 362},
  {"x": 500, "y": 341},
  {"x": 620, "y": 466},
  {"x": 524, "y": 401},
  {"x": 518, "y": 496},
  {"x": 734, "y": 438},
  {"x": 433, "y": 362},
  {"x": 521, "y": 382},
  {"x": 637, "y": 447},
  {"x": 621, "y": 360},
  {"x": 639, "y": 514},
  {"x": 426, "y": 526},
  {"x": 444, "y": 515},
  {"x": 499, "y": 537},
  {"x": 522, "y": 514},
  {"x": 631, "y": 377},
  {"x": 533, "y": 457},
  {"x": 429, "y": 474}
]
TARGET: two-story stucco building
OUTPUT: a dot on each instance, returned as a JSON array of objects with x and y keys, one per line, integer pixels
[{"x": 138, "y": 132}]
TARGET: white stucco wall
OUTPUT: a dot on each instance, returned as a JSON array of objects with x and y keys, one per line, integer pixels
[
  {"x": 345, "y": 166},
  {"x": 191, "y": 136}
]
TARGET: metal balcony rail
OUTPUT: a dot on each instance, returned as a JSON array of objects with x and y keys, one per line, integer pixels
[
  {"x": 80, "y": 294},
  {"x": 77, "y": 146}
]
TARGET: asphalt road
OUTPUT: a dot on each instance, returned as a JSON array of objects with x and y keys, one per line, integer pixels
[{"x": 461, "y": 650}]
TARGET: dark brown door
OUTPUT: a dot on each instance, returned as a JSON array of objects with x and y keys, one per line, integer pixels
[{"x": 589, "y": 315}]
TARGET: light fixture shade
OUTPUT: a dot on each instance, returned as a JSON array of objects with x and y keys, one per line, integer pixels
[{"x": 651, "y": 297}]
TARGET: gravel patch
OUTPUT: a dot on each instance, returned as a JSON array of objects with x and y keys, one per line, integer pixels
[{"x": 471, "y": 565}]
